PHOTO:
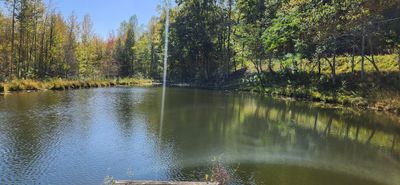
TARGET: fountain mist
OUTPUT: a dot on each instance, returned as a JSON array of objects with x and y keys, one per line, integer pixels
[{"x": 167, "y": 4}]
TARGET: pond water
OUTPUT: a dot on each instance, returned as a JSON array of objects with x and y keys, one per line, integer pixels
[{"x": 92, "y": 135}]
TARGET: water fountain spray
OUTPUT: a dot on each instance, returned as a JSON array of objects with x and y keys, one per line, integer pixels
[{"x": 167, "y": 4}]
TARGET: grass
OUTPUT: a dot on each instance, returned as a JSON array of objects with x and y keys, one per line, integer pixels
[
  {"x": 385, "y": 63},
  {"x": 380, "y": 91},
  {"x": 59, "y": 84}
]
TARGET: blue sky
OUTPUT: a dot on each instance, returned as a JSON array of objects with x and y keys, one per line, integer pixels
[{"x": 108, "y": 14}]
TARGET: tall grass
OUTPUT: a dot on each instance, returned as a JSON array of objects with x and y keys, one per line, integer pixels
[
  {"x": 130, "y": 82},
  {"x": 23, "y": 85},
  {"x": 59, "y": 84},
  {"x": 385, "y": 63}
]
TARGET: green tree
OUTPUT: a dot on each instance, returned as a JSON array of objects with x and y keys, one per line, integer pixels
[{"x": 125, "y": 55}]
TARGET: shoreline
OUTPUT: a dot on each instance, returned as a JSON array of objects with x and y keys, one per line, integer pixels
[
  {"x": 60, "y": 85},
  {"x": 332, "y": 101},
  {"x": 377, "y": 107}
]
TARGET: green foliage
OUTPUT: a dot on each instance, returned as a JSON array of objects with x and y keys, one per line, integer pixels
[
  {"x": 109, "y": 180},
  {"x": 210, "y": 41},
  {"x": 280, "y": 37},
  {"x": 124, "y": 50}
]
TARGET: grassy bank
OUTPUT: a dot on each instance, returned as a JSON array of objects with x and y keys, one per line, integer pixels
[
  {"x": 378, "y": 91},
  {"x": 59, "y": 84}
]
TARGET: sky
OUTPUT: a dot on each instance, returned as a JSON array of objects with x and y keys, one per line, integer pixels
[{"x": 108, "y": 14}]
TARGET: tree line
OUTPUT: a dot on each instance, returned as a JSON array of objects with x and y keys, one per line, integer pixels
[
  {"x": 213, "y": 38},
  {"x": 209, "y": 39},
  {"x": 37, "y": 42}
]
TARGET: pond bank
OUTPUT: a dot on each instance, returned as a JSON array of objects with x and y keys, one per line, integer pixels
[
  {"x": 379, "y": 92},
  {"x": 59, "y": 84}
]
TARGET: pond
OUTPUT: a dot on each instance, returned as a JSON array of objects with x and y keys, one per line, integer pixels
[{"x": 91, "y": 135}]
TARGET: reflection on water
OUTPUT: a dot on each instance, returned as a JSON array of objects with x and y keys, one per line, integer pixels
[{"x": 82, "y": 136}]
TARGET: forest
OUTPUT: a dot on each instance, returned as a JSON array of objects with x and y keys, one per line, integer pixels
[
  {"x": 267, "y": 44},
  {"x": 258, "y": 92}
]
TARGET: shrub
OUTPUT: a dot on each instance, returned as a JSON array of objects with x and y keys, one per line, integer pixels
[{"x": 220, "y": 174}]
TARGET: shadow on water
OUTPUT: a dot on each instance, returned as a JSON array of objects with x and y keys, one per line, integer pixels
[{"x": 254, "y": 130}]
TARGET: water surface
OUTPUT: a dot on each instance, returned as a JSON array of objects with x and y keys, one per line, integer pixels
[{"x": 84, "y": 136}]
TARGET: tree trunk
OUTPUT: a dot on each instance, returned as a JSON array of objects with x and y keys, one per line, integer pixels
[
  {"x": 334, "y": 69},
  {"x": 244, "y": 55},
  {"x": 370, "y": 137},
  {"x": 372, "y": 56},
  {"x": 13, "y": 37},
  {"x": 328, "y": 126},
  {"x": 42, "y": 51},
  {"x": 334, "y": 64},
  {"x": 229, "y": 37},
  {"x": 352, "y": 60},
  {"x": 295, "y": 65},
  {"x": 27, "y": 49},
  {"x": 315, "y": 121},
  {"x": 347, "y": 130},
  {"x": 319, "y": 64},
  {"x": 363, "y": 53},
  {"x": 20, "y": 46},
  {"x": 270, "y": 67}
]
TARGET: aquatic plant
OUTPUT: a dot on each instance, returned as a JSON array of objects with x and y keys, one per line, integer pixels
[
  {"x": 219, "y": 174},
  {"x": 109, "y": 180}
]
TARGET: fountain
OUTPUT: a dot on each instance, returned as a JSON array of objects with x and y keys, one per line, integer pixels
[{"x": 167, "y": 4}]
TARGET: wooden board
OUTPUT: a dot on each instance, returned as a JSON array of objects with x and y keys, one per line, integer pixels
[{"x": 162, "y": 183}]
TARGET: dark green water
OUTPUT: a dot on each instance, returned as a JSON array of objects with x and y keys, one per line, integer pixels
[{"x": 83, "y": 136}]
